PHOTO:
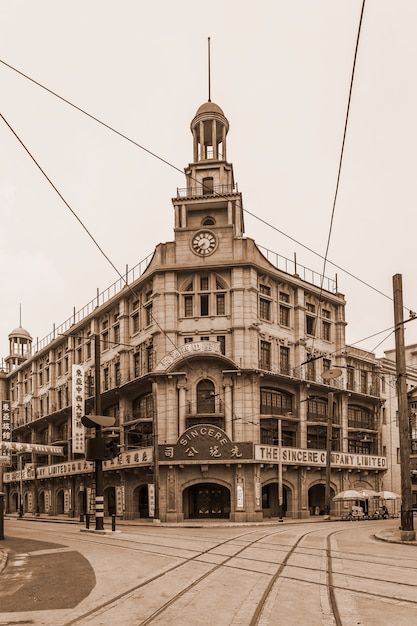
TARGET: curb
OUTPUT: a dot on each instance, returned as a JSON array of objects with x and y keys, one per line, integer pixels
[
  {"x": 380, "y": 537},
  {"x": 3, "y": 559}
]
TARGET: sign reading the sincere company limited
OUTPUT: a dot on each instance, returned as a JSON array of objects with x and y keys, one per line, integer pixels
[
  {"x": 188, "y": 349},
  {"x": 317, "y": 458}
]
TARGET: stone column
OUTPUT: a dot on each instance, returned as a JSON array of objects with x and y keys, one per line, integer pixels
[
  {"x": 302, "y": 494},
  {"x": 224, "y": 142},
  {"x": 195, "y": 145},
  {"x": 202, "y": 146},
  {"x": 214, "y": 139},
  {"x": 182, "y": 406}
]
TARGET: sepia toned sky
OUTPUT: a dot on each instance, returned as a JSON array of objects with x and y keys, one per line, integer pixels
[{"x": 280, "y": 71}]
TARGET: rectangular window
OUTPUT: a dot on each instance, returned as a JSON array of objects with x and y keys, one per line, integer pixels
[
  {"x": 383, "y": 383},
  {"x": 325, "y": 313},
  {"x": 204, "y": 305},
  {"x": 284, "y": 297},
  {"x": 220, "y": 304},
  {"x": 264, "y": 309},
  {"x": 149, "y": 317},
  {"x": 149, "y": 358},
  {"x": 350, "y": 378},
  {"x": 41, "y": 378},
  {"x": 384, "y": 450},
  {"x": 310, "y": 307},
  {"x": 104, "y": 324},
  {"x": 384, "y": 416},
  {"x": 284, "y": 316},
  {"x": 222, "y": 341},
  {"x": 326, "y": 364},
  {"x": 136, "y": 364},
  {"x": 310, "y": 323},
  {"x": 204, "y": 283},
  {"x": 188, "y": 306},
  {"x": 59, "y": 368},
  {"x": 265, "y": 289},
  {"x": 117, "y": 377},
  {"x": 364, "y": 381},
  {"x": 105, "y": 340},
  {"x": 204, "y": 338},
  {"x": 311, "y": 370},
  {"x": 188, "y": 340},
  {"x": 106, "y": 378},
  {"x": 135, "y": 322},
  {"x": 326, "y": 326},
  {"x": 116, "y": 334},
  {"x": 265, "y": 355},
  {"x": 284, "y": 360}
]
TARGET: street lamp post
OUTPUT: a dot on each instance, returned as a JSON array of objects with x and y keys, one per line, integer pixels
[{"x": 20, "y": 486}]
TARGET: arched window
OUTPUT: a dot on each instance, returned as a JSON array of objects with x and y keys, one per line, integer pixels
[
  {"x": 208, "y": 221},
  {"x": 205, "y": 397}
]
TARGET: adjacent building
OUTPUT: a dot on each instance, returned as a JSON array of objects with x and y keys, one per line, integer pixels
[{"x": 213, "y": 341}]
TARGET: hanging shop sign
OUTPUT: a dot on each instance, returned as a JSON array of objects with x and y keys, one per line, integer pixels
[
  {"x": 120, "y": 499},
  {"x": 78, "y": 410},
  {"x": 24, "y": 448},
  {"x": 5, "y": 430},
  {"x": 206, "y": 443},
  {"x": 151, "y": 500},
  {"x": 317, "y": 458},
  {"x": 186, "y": 350},
  {"x": 135, "y": 458},
  {"x": 240, "y": 497}
]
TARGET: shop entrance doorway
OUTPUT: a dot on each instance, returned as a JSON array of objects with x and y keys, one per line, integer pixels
[
  {"x": 206, "y": 500},
  {"x": 316, "y": 499},
  {"x": 270, "y": 500}
]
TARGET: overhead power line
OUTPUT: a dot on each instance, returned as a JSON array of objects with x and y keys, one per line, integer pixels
[{"x": 181, "y": 171}]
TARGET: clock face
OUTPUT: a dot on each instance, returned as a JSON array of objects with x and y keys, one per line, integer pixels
[{"x": 203, "y": 243}]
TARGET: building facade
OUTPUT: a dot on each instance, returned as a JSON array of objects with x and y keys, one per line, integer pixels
[{"x": 201, "y": 356}]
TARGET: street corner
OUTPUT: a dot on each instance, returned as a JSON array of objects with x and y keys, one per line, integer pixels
[
  {"x": 395, "y": 535},
  {"x": 40, "y": 575}
]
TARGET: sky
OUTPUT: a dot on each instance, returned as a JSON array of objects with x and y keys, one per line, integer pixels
[{"x": 281, "y": 73}]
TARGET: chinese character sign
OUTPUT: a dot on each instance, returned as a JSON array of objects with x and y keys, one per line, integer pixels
[
  {"x": 78, "y": 398},
  {"x": 6, "y": 428}
]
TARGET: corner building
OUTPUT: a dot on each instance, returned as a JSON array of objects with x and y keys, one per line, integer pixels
[{"x": 208, "y": 349}]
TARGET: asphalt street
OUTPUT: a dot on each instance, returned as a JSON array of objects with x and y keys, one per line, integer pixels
[{"x": 321, "y": 573}]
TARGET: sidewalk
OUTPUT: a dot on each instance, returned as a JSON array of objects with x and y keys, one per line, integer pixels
[
  {"x": 392, "y": 536},
  {"x": 195, "y": 523}
]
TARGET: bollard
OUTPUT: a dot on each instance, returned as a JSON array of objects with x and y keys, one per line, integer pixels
[
  {"x": 113, "y": 522},
  {"x": 87, "y": 520},
  {"x": 1, "y": 515}
]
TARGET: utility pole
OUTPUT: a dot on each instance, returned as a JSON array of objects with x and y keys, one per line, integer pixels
[
  {"x": 98, "y": 463},
  {"x": 407, "y": 523},
  {"x": 155, "y": 450},
  {"x": 329, "y": 438},
  {"x": 280, "y": 500}
]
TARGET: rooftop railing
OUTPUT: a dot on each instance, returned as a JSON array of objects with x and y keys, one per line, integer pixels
[
  {"x": 206, "y": 190},
  {"x": 291, "y": 266},
  {"x": 101, "y": 298}
]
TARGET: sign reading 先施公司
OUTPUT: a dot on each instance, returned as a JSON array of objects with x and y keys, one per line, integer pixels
[
  {"x": 78, "y": 393},
  {"x": 205, "y": 442},
  {"x": 317, "y": 458},
  {"x": 185, "y": 350}
]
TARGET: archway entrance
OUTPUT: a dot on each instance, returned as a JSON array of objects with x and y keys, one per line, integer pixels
[
  {"x": 270, "y": 500},
  {"x": 41, "y": 501},
  {"x": 60, "y": 502},
  {"x": 206, "y": 500},
  {"x": 15, "y": 502},
  {"x": 316, "y": 499},
  {"x": 110, "y": 501},
  {"x": 141, "y": 501}
]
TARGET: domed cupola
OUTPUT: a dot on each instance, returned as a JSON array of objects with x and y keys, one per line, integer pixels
[
  {"x": 20, "y": 348},
  {"x": 209, "y": 128}
]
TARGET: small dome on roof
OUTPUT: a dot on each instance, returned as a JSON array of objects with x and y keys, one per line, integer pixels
[
  {"x": 209, "y": 107},
  {"x": 20, "y": 332}
]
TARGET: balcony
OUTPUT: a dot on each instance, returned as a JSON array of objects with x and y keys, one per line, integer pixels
[
  {"x": 206, "y": 190},
  {"x": 210, "y": 406}
]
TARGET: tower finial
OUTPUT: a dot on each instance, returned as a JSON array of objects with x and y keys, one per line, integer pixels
[
  {"x": 20, "y": 314},
  {"x": 209, "y": 75}
]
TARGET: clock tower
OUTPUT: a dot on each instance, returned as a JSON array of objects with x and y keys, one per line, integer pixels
[{"x": 209, "y": 210}]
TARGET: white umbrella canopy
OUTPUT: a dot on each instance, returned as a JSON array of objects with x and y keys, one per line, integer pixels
[
  {"x": 366, "y": 494},
  {"x": 388, "y": 495},
  {"x": 349, "y": 494}
]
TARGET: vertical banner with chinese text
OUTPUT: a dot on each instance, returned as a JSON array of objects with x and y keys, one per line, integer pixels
[
  {"x": 5, "y": 431},
  {"x": 78, "y": 397},
  {"x": 151, "y": 499}
]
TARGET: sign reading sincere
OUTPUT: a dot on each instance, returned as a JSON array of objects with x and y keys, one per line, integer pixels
[
  {"x": 187, "y": 349},
  {"x": 78, "y": 440},
  {"x": 205, "y": 443},
  {"x": 317, "y": 458}
]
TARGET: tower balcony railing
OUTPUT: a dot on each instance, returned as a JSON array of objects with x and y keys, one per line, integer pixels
[{"x": 206, "y": 190}]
